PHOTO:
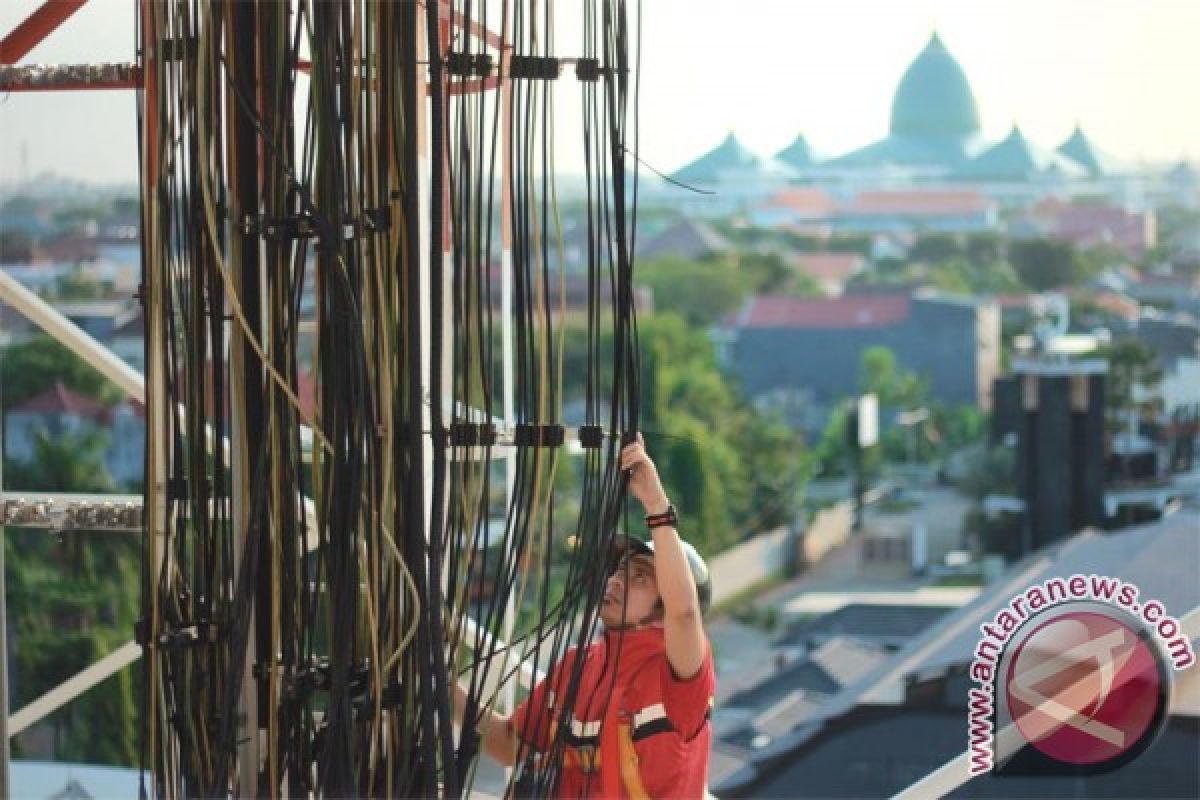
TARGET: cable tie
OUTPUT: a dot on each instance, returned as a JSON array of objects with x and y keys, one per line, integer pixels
[
  {"x": 527, "y": 435},
  {"x": 544, "y": 68},
  {"x": 588, "y": 69},
  {"x": 466, "y": 65},
  {"x": 591, "y": 437},
  {"x": 471, "y": 434}
]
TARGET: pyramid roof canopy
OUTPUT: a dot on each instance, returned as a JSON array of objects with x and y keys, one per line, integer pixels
[
  {"x": 729, "y": 157},
  {"x": 797, "y": 154},
  {"x": 907, "y": 151},
  {"x": 1017, "y": 158},
  {"x": 1079, "y": 148}
]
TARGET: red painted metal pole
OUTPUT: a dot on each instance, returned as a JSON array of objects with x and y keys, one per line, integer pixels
[{"x": 36, "y": 27}]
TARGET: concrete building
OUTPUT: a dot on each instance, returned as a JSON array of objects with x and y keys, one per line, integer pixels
[{"x": 803, "y": 355}]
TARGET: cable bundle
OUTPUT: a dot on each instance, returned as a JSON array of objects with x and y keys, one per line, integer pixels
[{"x": 354, "y": 314}]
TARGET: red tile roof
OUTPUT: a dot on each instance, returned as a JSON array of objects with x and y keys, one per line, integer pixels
[
  {"x": 809, "y": 202},
  {"x": 58, "y": 399},
  {"x": 942, "y": 202},
  {"x": 829, "y": 266},
  {"x": 1117, "y": 304},
  {"x": 839, "y": 313}
]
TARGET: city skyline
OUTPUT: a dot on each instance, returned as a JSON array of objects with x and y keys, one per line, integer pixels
[{"x": 769, "y": 71}]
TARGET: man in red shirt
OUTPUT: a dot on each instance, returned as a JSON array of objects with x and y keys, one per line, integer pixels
[{"x": 639, "y": 726}]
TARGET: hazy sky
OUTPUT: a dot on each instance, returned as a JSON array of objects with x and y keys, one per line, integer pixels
[{"x": 767, "y": 69}]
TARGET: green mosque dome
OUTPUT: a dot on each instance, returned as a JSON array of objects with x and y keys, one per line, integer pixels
[{"x": 934, "y": 99}]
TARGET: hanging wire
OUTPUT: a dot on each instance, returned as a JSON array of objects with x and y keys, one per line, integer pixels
[{"x": 321, "y": 258}]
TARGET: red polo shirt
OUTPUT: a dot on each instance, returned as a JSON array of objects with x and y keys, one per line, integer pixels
[{"x": 667, "y": 717}]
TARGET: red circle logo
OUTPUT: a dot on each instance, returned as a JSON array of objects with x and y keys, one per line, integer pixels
[{"x": 1084, "y": 688}]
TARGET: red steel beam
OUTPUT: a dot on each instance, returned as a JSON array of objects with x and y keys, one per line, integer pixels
[{"x": 36, "y": 27}]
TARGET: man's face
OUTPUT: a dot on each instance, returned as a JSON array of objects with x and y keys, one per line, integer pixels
[{"x": 631, "y": 594}]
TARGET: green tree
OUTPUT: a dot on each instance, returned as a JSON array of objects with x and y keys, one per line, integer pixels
[
  {"x": 895, "y": 386},
  {"x": 1131, "y": 364},
  {"x": 71, "y": 601},
  {"x": 16, "y": 247},
  {"x": 32, "y": 367},
  {"x": 984, "y": 248},
  {"x": 764, "y": 273},
  {"x": 1046, "y": 263},
  {"x": 700, "y": 291},
  {"x": 80, "y": 286},
  {"x": 72, "y": 462},
  {"x": 934, "y": 247},
  {"x": 729, "y": 469}
]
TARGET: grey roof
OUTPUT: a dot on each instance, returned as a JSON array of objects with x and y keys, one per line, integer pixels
[
  {"x": 877, "y": 752},
  {"x": 846, "y": 659},
  {"x": 803, "y": 675},
  {"x": 1161, "y": 558},
  {"x": 687, "y": 238},
  {"x": 891, "y": 623}
]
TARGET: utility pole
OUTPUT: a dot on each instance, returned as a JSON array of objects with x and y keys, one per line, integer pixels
[{"x": 862, "y": 431}]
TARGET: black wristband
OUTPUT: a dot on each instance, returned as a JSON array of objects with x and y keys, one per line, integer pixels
[{"x": 667, "y": 518}]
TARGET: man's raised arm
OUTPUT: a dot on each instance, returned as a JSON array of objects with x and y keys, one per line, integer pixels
[{"x": 682, "y": 619}]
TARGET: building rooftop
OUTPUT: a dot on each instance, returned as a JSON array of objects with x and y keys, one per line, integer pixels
[
  {"x": 910, "y": 203},
  {"x": 838, "y": 267},
  {"x": 1079, "y": 148},
  {"x": 847, "y": 312},
  {"x": 797, "y": 155},
  {"x": 1016, "y": 158},
  {"x": 886, "y": 622},
  {"x": 687, "y": 238},
  {"x": 725, "y": 160}
]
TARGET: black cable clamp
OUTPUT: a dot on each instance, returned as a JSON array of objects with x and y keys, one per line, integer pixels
[
  {"x": 141, "y": 632},
  {"x": 539, "y": 435},
  {"x": 591, "y": 437},
  {"x": 279, "y": 229},
  {"x": 203, "y": 632},
  {"x": 544, "y": 68},
  {"x": 376, "y": 220},
  {"x": 471, "y": 434},
  {"x": 588, "y": 69},
  {"x": 466, "y": 65},
  {"x": 304, "y": 226},
  {"x": 178, "y": 48},
  {"x": 177, "y": 488}
]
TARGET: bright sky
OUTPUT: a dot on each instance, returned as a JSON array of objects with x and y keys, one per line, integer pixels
[{"x": 767, "y": 69}]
